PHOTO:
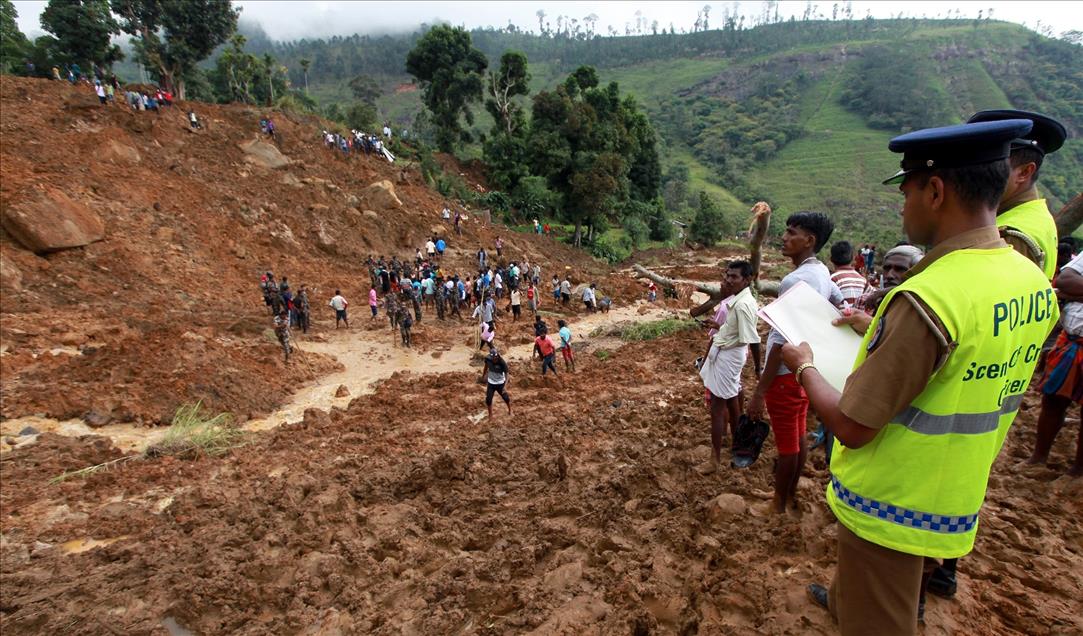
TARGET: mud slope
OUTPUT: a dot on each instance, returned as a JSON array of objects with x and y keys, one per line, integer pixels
[
  {"x": 165, "y": 309},
  {"x": 407, "y": 514}
]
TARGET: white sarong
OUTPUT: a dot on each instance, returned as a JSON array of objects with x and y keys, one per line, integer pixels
[{"x": 721, "y": 371}]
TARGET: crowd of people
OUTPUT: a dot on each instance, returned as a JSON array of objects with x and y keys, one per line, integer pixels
[{"x": 356, "y": 142}]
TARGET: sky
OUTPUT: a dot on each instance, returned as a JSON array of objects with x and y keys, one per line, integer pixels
[{"x": 284, "y": 20}]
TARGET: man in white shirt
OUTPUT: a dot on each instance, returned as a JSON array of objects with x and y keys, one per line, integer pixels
[
  {"x": 339, "y": 304},
  {"x": 721, "y": 370},
  {"x": 430, "y": 248},
  {"x": 588, "y": 298}
]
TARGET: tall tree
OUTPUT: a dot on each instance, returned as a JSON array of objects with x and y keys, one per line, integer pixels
[
  {"x": 585, "y": 140},
  {"x": 505, "y": 148},
  {"x": 83, "y": 29},
  {"x": 172, "y": 36},
  {"x": 366, "y": 89},
  {"x": 305, "y": 64},
  {"x": 504, "y": 86},
  {"x": 450, "y": 71},
  {"x": 13, "y": 44},
  {"x": 270, "y": 66}
]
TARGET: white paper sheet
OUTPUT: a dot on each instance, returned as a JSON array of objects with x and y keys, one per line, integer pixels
[{"x": 803, "y": 315}]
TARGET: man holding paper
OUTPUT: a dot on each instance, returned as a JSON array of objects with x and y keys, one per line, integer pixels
[
  {"x": 940, "y": 377},
  {"x": 787, "y": 405}
]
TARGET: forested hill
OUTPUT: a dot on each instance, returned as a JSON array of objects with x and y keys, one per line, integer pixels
[{"x": 797, "y": 113}]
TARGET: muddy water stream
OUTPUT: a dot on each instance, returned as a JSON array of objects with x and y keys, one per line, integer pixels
[{"x": 367, "y": 357}]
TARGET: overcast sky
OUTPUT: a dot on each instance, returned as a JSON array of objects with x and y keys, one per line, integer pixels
[{"x": 292, "y": 20}]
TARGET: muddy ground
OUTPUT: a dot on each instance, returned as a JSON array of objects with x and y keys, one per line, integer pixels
[
  {"x": 394, "y": 506},
  {"x": 408, "y": 512}
]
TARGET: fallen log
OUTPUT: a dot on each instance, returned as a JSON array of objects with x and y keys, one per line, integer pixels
[{"x": 757, "y": 232}]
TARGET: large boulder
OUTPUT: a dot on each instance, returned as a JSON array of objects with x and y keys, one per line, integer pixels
[
  {"x": 51, "y": 221},
  {"x": 261, "y": 153},
  {"x": 381, "y": 195}
]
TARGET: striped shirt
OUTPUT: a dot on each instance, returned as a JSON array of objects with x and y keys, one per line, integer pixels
[{"x": 850, "y": 282}]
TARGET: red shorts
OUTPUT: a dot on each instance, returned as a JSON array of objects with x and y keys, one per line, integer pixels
[
  {"x": 566, "y": 351},
  {"x": 787, "y": 406}
]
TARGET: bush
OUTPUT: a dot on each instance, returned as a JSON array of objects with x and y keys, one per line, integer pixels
[
  {"x": 637, "y": 230},
  {"x": 656, "y": 329},
  {"x": 612, "y": 249},
  {"x": 709, "y": 225}
]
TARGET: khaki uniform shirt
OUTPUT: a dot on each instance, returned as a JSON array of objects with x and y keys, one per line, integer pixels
[
  {"x": 1019, "y": 245},
  {"x": 911, "y": 345}
]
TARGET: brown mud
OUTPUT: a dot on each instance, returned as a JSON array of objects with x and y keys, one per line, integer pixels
[{"x": 400, "y": 508}]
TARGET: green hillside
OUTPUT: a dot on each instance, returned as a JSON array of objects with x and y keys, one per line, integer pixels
[{"x": 794, "y": 113}]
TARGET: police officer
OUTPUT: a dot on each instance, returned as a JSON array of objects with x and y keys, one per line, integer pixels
[
  {"x": 1023, "y": 218},
  {"x": 944, "y": 366},
  {"x": 1025, "y": 223}
]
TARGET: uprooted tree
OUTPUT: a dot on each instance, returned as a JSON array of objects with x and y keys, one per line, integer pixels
[{"x": 757, "y": 232}]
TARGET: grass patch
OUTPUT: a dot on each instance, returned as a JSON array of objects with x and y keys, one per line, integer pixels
[
  {"x": 656, "y": 329},
  {"x": 194, "y": 432},
  {"x": 603, "y": 354}
]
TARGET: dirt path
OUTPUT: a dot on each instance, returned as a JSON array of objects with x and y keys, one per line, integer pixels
[{"x": 368, "y": 357}]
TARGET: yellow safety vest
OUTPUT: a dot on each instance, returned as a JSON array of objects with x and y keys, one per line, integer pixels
[
  {"x": 918, "y": 485},
  {"x": 1032, "y": 222}
]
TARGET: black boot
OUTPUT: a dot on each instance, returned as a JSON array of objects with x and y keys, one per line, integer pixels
[{"x": 943, "y": 582}]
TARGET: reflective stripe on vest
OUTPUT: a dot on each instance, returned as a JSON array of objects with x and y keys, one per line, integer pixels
[
  {"x": 918, "y": 486},
  {"x": 902, "y": 516},
  {"x": 919, "y": 421},
  {"x": 1033, "y": 219}
]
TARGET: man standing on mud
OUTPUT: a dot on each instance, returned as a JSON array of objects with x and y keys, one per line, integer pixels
[
  {"x": 721, "y": 370},
  {"x": 778, "y": 388},
  {"x": 339, "y": 304},
  {"x": 495, "y": 374},
  {"x": 936, "y": 384}
]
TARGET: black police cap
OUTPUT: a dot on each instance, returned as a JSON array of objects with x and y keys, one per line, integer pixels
[
  {"x": 1046, "y": 136},
  {"x": 956, "y": 146}
]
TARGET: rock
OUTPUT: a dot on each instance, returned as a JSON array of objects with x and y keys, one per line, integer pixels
[
  {"x": 72, "y": 339},
  {"x": 29, "y": 430},
  {"x": 240, "y": 252},
  {"x": 97, "y": 419},
  {"x": 708, "y": 543},
  {"x": 120, "y": 153},
  {"x": 325, "y": 241},
  {"x": 11, "y": 277},
  {"x": 341, "y": 391},
  {"x": 290, "y": 180},
  {"x": 382, "y": 195},
  {"x": 437, "y": 230},
  {"x": 261, "y": 153},
  {"x": 564, "y": 576},
  {"x": 40, "y": 549},
  {"x": 316, "y": 417},
  {"x": 371, "y": 214},
  {"x": 352, "y": 200},
  {"x": 725, "y": 507},
  {"x": 318, "y": 207},
  {"x": 52, "y": 221}
]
